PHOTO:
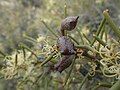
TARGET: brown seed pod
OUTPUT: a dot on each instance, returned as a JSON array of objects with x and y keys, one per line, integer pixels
[
  {"x": 65, "y": 46},
  {"x": 64, "y": 63},
  {"x": 69, "y": 23}
]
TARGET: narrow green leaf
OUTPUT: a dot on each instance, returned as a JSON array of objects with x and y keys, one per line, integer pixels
[
  {"x": 111, "y": 23},
  {"x": 99, "y": 30},
  {"x": 69, "y": 73},
  {"x": 49, "y": 28},
  {"x": 48, "y": 59},
  {"x": 100, "y": 41},
  {"x": 81, "y": 37},
  {"x": 73, "y": 39},
  {"x": 83, "y": 81},
  {"x": 86, "y": 38},
  {"x": 116, "y": 86}
]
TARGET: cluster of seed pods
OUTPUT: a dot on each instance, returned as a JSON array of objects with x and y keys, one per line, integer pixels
[{"x": 65, "y": 45}]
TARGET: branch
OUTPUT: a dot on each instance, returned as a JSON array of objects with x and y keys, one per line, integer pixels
[
  {"x": 116, "y": 86},
  {"x": 111, "y": 23},
  {"x": 99, "y": 30}
]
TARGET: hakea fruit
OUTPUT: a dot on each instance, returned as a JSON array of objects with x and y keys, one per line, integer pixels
[
  {"x": 64, "y": 63},
  {"x": 65, "y": 46},
  {"x": 69, "y": 23}
]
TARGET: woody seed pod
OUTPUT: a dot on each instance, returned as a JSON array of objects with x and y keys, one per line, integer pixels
[
  {"x": 65, "y": 46},
  {"x": 69, "y": 23},
  {"x": 64, "y": 63}
]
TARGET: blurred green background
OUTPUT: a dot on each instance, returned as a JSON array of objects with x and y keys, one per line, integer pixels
[{"x": 23, "y": 17}]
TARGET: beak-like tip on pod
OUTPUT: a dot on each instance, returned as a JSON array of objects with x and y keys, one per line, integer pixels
[
  {"x": 77, "y": 17},
  {"x": 69, "y": 23}
]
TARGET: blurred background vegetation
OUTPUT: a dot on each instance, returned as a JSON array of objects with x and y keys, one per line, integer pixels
[
  {"x": 21, "y": 20},
  {"x": 23, "y": 17}
]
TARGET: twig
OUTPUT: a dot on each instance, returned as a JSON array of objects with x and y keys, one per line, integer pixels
[
  {"x": 81, "y": 37},
  {"x": 106, "y": 35},
  {"x": 73, "y": 39},
  {"x": 101, "y": 36},
  {"x": 99, "y": 30},
  {"x": 24, "y": 53},
  {"x": 87, "y": 38},
  {"x": 69, "y": 73},
  {"x": 116, "y": 86},
  {"x": 100, "y": 41},
  {"x": 2, "y": 53},
  {"x": 48, "y": 59},
  {"x": 65, "y": 10},
  {"x": 83, "y": 81},
  {"x": 49, "y": 28},
  {"x": 38, "y": 78},
  {"x": 27, "y": 48},
  {"x": 16, "y": 59},
  {"x": 30, "y": 38},
  {"x": 87, "y": 48},
  {"x": 111, "y": 23},
  {"x": 102, "y": 85},
  {"x": 65, "y": 14}
]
